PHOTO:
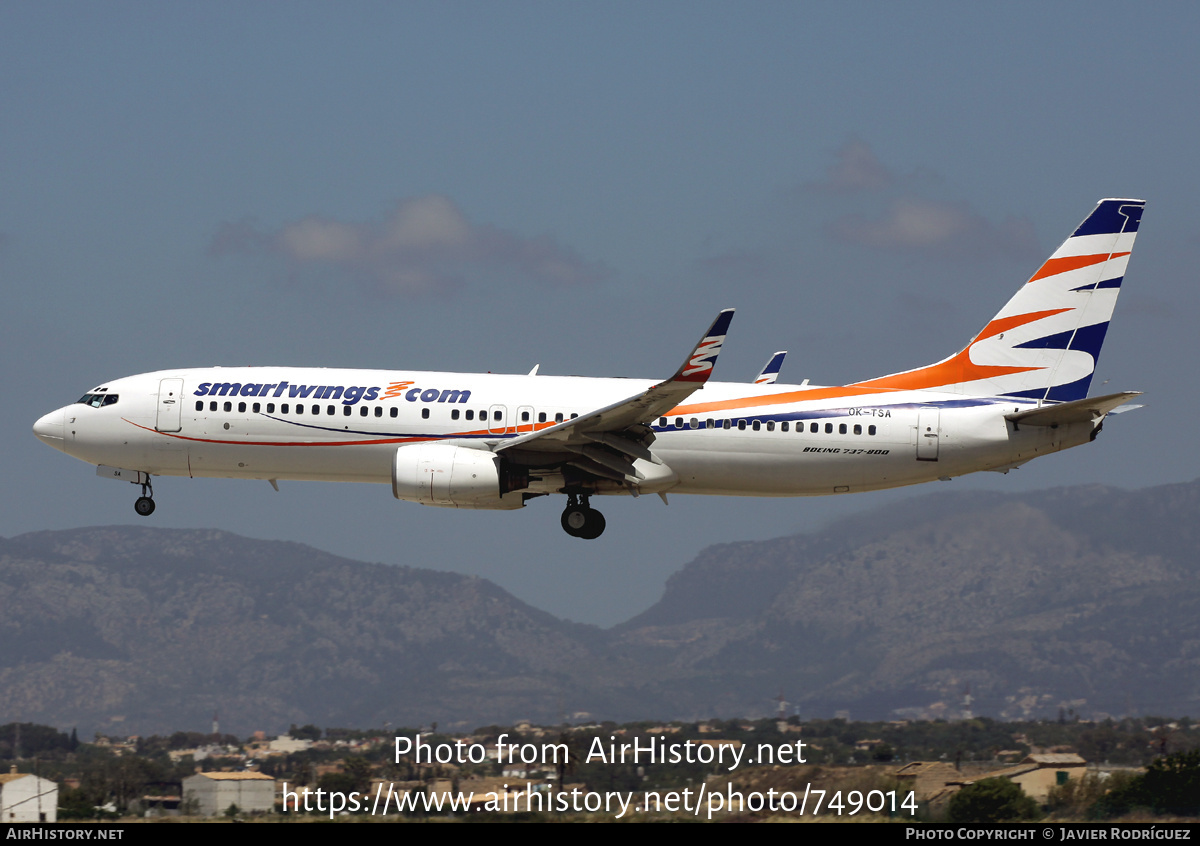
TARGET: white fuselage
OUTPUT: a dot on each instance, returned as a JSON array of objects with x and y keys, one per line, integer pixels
[{"x": 726, "y": 439}]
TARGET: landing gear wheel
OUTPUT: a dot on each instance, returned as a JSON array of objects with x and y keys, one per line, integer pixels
[
  {"x": 574, "y": 520},
  {"x": 579, "y": 520},
  {"x": 594, "y": 527},
  {"x": 144, "y": 506}
]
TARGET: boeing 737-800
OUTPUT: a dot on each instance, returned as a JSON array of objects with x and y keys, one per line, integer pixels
[{"x": 1018, "y": 390}]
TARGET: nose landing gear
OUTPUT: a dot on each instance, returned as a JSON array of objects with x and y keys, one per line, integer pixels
[
  {"x": 144, "y": 505},
  {"x": 580, "y": 520}
]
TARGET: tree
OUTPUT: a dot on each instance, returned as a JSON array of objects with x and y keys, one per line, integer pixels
[
  {"x": 992, "y": 800},
  {"x": 305, "y": 732},
  {"x": 1171, "y": 785},
  {"x": 73, "y": 804},
  {"x": 1174, "y": 783},
  {"x": 359, "y": 769}
]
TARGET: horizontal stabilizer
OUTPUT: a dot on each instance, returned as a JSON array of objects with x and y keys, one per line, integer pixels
[{"x": 1085, "y": 410}]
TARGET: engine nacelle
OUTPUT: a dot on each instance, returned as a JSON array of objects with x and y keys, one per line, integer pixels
[{"x": 450, "y": 476}]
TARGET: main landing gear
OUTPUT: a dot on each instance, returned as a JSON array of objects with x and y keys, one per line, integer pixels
[
  {"x": 145, "y": 503},
  {"x": 580, "y": 520}
]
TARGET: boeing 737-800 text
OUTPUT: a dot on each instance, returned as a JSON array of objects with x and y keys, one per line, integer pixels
[{"x": 1018, "y": 390}]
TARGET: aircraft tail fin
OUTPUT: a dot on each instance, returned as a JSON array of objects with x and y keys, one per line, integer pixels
[
  {"x": 771, "y": 371},
  {"x": 1045, "y": 342}
]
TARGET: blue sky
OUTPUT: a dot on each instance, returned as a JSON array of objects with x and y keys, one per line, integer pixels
[{"x": 489, "y": 186}]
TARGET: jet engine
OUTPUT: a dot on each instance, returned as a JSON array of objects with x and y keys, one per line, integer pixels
[{"x": 451, "y": 477}]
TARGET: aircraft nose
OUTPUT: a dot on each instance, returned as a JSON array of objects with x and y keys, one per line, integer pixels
[{"x": 49, "y": 429}]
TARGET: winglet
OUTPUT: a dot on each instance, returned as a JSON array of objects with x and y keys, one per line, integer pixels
[
  {"x": 699, "y": 364},
  {"x": 771, "y": 372}
]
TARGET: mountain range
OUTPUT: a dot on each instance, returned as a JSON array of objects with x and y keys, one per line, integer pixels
[{"x": 1006, "y": 605}]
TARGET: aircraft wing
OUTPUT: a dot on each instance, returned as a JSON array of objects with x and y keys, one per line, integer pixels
[
  {"x": 1085, "y": 410},
  {"x": 605, "y": 442}
]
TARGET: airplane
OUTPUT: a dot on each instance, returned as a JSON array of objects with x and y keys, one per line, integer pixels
[{"x": 1017, "y": 391}]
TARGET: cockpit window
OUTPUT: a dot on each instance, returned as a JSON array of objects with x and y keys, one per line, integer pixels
[{"x": 97, "y": 400}]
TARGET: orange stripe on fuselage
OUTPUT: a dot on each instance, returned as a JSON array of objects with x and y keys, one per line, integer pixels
[
  {"x": 953, "y": 371},
  {"x": 776, "y": 399},
  {"x": 402, "y": 439}
]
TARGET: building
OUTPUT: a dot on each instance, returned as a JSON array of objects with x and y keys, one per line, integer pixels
[
  {"x": 935, "y": 782},
  {"x": 211, "y": 794},
  {"x": 1038, "y": 774},
  {"x": 25, "y": 797}
]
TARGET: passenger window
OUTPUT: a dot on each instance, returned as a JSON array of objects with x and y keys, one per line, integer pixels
[
  {"x": 757, "y": 425},
  {"x": 858, "y": 428},
  {"x": 256, "y": 408},
  {"x": 741, "y": 425},
  {"x": 695, "y": 424},
  {"x": 241, "y": 408},
  {"x": 662, "y": 421},
  {"x": 841, "y": 428},
  {"x": 199, "y": 405},
  {"x": 558, "y": 418},
  {"x": 524, "y": 416},
  {"x": 710, "y": 424},
  {"x": 783, "y": 427},
  {"x": 299, "y": 408},
  {"x": 725, "y": 424},
  {"x": 573, "y": 416},
  {"x": 828, "y": 428},
  {"x": 541, "y": 417},
  {"x": 870, "y": 430},
  {"x": 330, "y": 410},
  {"x": 770, "y": 425},
  {"x": 495, "y": 415},
  {"x": 454, "y": 414},
  {"x": 379, "y": 411},
  {"x": 470, "y": 414},
  {"x": 424, "y": 413},
  {"x": 212, "y": 406},
  {"x": 678, "y": 422},
  {"x": 395, "y": 411},
  {"x": 812, "y": 427},
  {"x": 229, "y": 406},
  {"x": 270, "y": 408},
  {"x": 283, "y": 409},
  {"x": 347, "y": 411}
]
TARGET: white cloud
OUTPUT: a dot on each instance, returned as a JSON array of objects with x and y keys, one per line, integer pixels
[
  {"x": 938, "y": 227},
  {"x": 855, "y": 168},
  {"x": 426, "y": 245}
]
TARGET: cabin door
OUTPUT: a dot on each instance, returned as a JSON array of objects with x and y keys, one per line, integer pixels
[
  {"x": 170, "y": 405},
  {"x": 928, "y": 434}
]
